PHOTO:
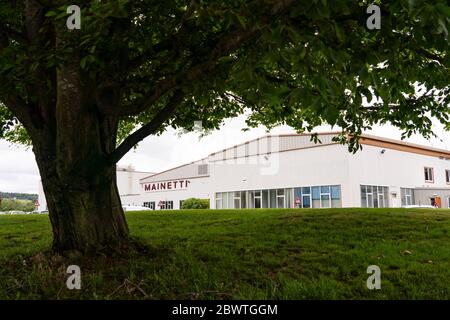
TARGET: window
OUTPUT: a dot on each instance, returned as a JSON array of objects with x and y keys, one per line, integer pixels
[
  {"x": 280, "y": 198},
  {"x": 181, "y": 204},
  {"x": 258, "y": 199},
  {"x": 237, "y": 200},
  {"x": 288, "y": 198},
  {"x": 429, "y": 174},
  {"x": 243, "y": 199},
  {"x": 374, "y": 196},
  {"x": 251, "y": 199},
  {"x": 407, "y": 196},
  {"x": 150, "y": 205},
  {"x": 335, "y": 196},
  {"x": 447, "y": 176},
  {"x": 306, "y": 197},
  {"x": 165, "y": 205},
  {"x": 325, "y": 197},
  {"x": 273, "y": 198},
  {"x": 230, "y": 200},
  {"x": 218, "y": 200},
  {"x": 317, "y": 197},
  {"x": 202, "y": 169},
  {"x": 265, "y": 198}
]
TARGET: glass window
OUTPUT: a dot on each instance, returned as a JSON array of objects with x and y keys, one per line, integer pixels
[
  {"x": 325, "y": 189},
  {"x": 237, "y": 203},
  {"x": 316, "y": 193},
  {"x": 243, "y": 199},
  {"x": 363, "y": 197},
  {"x": 230, "y": 200},
  {"x": 251, "y": 199},
  {"x": 265, "y": 198},
  {"x": 369, "y": 200},
  {"x": 325, "y": 200},
  {"x": 306, "y": 190},
  {"x": 273, "y": 198},
  {"x": 374, "y": 196},
  {"x": 280, "y": 202},
  {"x": 407, "y": 196},
  {"x": 288, "y": 198},
  {"x": 297, "y": 197},
  {"x": 280, "y": 192},
  {"x": 429, "y": 174},
  {"x": 447, "y": 176},
  {"x": 224, "y": 200},
  {"x": 150, "y": 205},
  {"x": 257, "y": 202},
  {"x": 258, "y": 198},
  {"x": 335, "y": 192},
  {"x": 306, "y": 201},
  {"x": 375, "y": 200}
]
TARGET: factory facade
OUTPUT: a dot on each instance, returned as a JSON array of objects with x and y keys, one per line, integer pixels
[{"x": 291, "y": 171}]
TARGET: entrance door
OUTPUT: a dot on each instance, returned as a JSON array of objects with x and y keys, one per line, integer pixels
[
  {"x": 306, "y": 200},
  {"x": 436, "y": 202}
]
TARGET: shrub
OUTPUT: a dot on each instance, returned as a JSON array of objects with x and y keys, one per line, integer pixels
[
  {"x": 194, "y": 203},
  {"x": 19, "y": 205}
]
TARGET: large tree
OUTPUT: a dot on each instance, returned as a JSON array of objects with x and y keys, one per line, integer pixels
[{"x": 84, "y": 97}]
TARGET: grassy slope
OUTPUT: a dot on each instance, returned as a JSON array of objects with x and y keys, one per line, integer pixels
[{"x": 251, "y": 254}]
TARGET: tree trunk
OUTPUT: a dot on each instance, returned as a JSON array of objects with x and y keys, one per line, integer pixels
[{"x": 85, "y": 211}]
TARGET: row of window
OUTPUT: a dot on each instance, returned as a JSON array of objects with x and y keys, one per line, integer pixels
[
  {"x": 300, "y": 197},
  {"x": 374, "y": 196},
  {"x": 407, "y": 196},
  {"x": 163, "y": 205},
  {"x": 429, "y": 175}
]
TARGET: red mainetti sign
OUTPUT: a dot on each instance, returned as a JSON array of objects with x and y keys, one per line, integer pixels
[{"x": 166, "y": 185}]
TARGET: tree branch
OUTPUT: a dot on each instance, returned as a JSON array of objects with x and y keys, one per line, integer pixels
[
  {"x": 224, "y": 47},
  {"x": 13, "y": 34},
  {"x": 148, "y": 129}
]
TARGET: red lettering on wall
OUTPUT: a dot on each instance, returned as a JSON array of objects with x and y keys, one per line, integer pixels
[{"x": 168, "y": 185}]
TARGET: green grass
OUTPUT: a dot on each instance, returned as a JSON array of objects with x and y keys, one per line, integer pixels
[{"x": 243, "y": 254}]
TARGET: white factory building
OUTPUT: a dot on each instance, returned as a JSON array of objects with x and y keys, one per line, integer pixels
[
  {"x": 291, "y": 171},
  {"x": 287, "y": 171},
  {"x": 127, "y": 184}
]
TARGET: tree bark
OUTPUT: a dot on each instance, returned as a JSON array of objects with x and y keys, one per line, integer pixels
[
  {"x": 85, "y": 209},
  {"x": 71, "y": 150}
]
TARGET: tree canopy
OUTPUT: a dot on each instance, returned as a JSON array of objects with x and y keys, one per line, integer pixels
[
  {"x": 156, "y": 63},
  {"x": 83, "y": 97}
]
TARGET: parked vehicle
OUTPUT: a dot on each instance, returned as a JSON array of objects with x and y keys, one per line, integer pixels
[{"x": 135, "y": 208}]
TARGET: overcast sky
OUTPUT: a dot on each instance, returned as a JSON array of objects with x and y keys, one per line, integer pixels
[{"x": 19, "y": 173}]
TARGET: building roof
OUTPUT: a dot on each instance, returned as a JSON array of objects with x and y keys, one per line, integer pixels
[{"x": 302, "y": 141}]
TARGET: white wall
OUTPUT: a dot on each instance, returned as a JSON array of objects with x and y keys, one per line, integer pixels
[
  {"x": 324, "y": 165},
  {"x": 394, "y": 169},
  {"x": 197, "y": 188}
]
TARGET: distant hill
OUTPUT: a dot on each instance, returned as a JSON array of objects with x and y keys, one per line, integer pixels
[{"x": 18, "y": 196}]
